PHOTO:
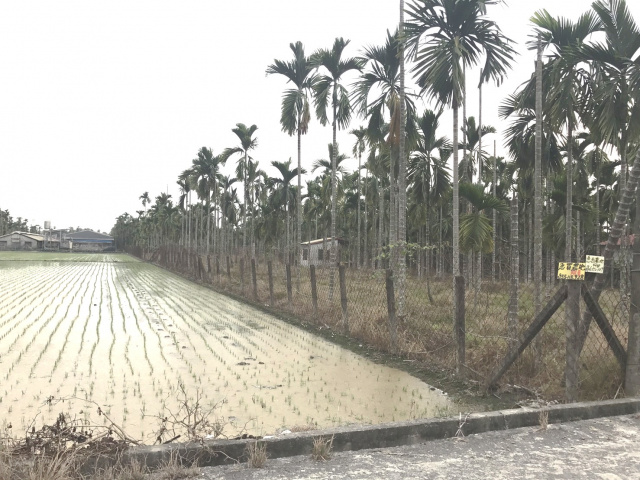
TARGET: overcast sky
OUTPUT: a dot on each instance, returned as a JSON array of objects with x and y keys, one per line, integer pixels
[{"x": 102, "y": 101}]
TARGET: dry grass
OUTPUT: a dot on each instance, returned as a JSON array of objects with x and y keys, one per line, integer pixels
[
  {"x": 543, "y": 420},
  {"x": 256, "y": 453},
  {"x": 303, "y": 428},
  {"x": 58, "y": 467},
  {"x": 67, "y": 467},
  {"x": 173, "y": 469},
  {"x": 322, "y": 448}
]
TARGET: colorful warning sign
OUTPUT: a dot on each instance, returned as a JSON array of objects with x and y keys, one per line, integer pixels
[
  {"x": 571, "y": 271},
  {"x": 595, "y": 264}
]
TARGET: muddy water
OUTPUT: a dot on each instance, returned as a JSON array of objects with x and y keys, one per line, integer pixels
[{"x": 123, "y": 335}]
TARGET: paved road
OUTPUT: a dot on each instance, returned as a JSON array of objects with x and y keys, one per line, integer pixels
[{"x": 604, "y": 448}]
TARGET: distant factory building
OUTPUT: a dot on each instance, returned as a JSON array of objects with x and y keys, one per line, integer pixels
[{"x": 87, "y": 241}]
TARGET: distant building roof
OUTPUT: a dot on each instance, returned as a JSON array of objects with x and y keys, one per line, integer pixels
[
  {"x": 320, "y": 240},
  {"x": 32, "y": 236},
  {"x": 88, "y": 236}
]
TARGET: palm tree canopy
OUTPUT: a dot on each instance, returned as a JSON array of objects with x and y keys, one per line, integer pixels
[
  {"x": 247, "y": 141},
  {"x": 567, "y": 83},
  {"x": 284, "y": 169},
  {"x": 326, "y": 164},
  {"x": 328, "y": 84},
  {"x": 445, "y": 36},
  {"x": 378, "y": 88},
  {"x": 295, "y": 111},
  {"x": 616, "y": 100},
  {"x": 427, "y": 169}
]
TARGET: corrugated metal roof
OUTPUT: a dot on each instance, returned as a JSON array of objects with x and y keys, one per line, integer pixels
[
  {"x": 320, "y": 240},
  {"x": 88, "y": 235},
  {"x": 32, "y": 236}
]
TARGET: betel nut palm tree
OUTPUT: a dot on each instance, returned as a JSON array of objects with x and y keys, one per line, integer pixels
[
  {"x": 247, "y": 143},
  {"x": 567, "y": 81},
  {"x": 445, "y": 37},
  {"x": 287, "y": 174},
  {"x": 377, "y": 96},
  {"x": 330, "y": 94},
  {"x": 206, "y": 169},
  {"x": 295, "y": 113}
]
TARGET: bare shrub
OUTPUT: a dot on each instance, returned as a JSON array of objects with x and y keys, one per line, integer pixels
[
  {"x": 322, "y": 448},
  {"x": 193, "y": 421}
]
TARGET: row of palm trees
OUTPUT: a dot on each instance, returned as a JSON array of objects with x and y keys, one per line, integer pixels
[
  {"x": 10, "y": 224},
  {"x": 564, "y": 125}
]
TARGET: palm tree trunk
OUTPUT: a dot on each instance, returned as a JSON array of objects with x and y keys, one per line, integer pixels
[
  {"x": 456, "y": 195},
  {"x": 334, "y": 192},
  {"x": 287, "y": 240},
  {"x": 537, "y": 213},
  {"x": 569, "y": 207},
  {"x": 380, "y": 224},
  {"x": 299, "y": 206},
  {"x": 515, "y": 275},
  {"x": 495, "y": 226},
  {"x": 467, "y": 174},
  {"x": 208, "y": 219},
  {"x": 440, "y": 262},
  {"x": 366, "y": 245},
  {"x": 189, "y": 219},
  {"x": 598, "y": 204},
  {"x": 246, "y": 207},
  {"x": 479, "y": 259},
  {"x": 402, "y": 180},
  {"x": 393, "y": 212},
  {"x": 358, "y": 264}
]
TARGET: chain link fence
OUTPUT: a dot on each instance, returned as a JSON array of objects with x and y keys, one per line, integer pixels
[{"x": 419, "y": 323}]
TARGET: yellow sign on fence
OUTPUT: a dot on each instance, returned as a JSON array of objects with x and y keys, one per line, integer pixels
[
  {"x": 571, "y": 271},
  {"x": 595, "y": 264}
]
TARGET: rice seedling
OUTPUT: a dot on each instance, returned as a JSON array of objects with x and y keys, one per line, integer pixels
[{"x": 117, "y": 315}]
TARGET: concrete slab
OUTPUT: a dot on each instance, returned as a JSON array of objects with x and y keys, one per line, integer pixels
[
  {"x": 355, "y": 438},
  {"x": 601, "y": 448}
]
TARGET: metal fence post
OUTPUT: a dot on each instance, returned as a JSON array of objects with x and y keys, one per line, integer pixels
[
  {"x": 254, "y": 279},
  {"x": 288, "y": 268},
  {"x": 391, "y": 310},
  {"x": 572, "y": 318},
  {"x": 242, "y": 275},
  {"x": 314, "y": 291},
  {"x": 459, "y": 323},
  {"x": 343, "y": 297},
  {"x": 270, "y": 273}
]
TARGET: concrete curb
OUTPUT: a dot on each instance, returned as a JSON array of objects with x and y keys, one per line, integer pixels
[{"x": 221, "y": 452}]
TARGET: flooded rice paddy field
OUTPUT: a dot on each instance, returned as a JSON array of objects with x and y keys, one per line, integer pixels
[{"x": 110, "y": 331}]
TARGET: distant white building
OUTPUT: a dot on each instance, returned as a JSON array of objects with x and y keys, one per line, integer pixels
[
  {"x": 21, "y": 241},
  {"x": 318, "y": 252}
]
